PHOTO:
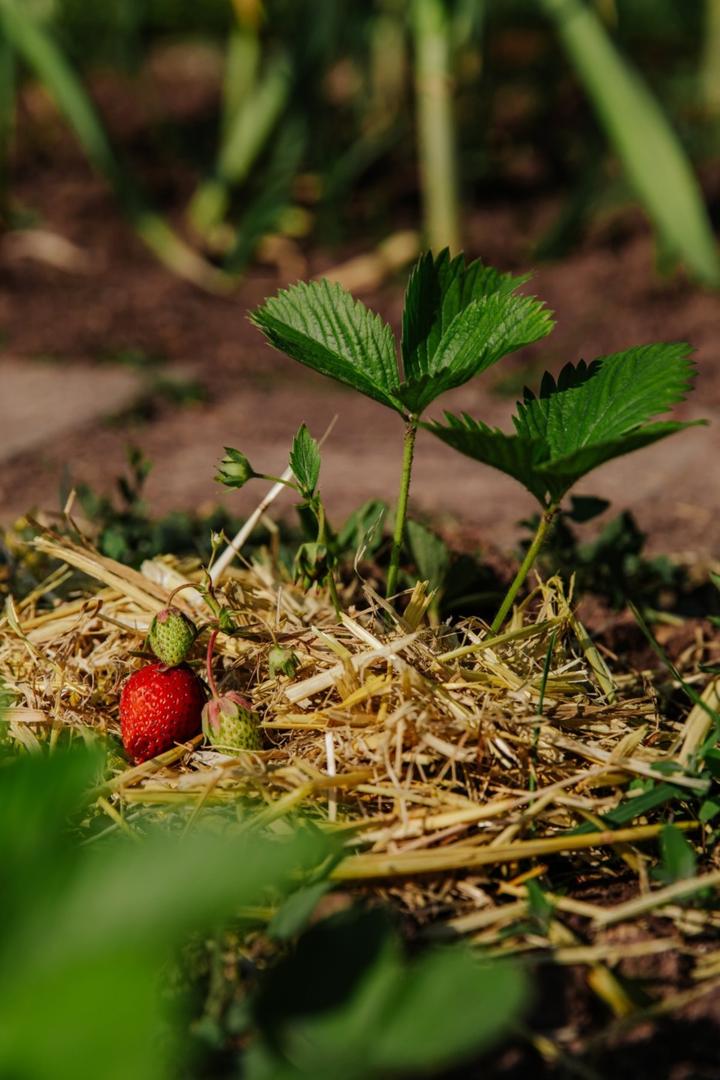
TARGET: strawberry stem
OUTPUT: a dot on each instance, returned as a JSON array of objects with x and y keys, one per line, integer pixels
[{"x": 208, "y": 665}]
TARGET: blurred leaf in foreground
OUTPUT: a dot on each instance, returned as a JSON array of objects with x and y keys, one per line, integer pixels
[
  {"x": 348, "y": 1004},
  {"x": 88, "y": 929}
]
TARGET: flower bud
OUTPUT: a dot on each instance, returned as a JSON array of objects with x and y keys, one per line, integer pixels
[{"x": 234, "y": 470}]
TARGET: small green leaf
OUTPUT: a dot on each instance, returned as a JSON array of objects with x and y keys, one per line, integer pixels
[
  {"x": 438, "y": 290},
  {"x": 305, "y": 461},
  {"x": 678, "y": 858},
  {"x": 320, "y": 325},
  {"x": 294, "y": 914},
  {"x": 429, "y": 553},
  {"x": 479, "y": 335},
  {"x": 709, "y": 810}
]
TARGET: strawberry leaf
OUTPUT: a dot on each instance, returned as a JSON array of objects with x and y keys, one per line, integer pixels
[
  {"x": 305, "y": 461},
  {"x": 439, "y": 289},
  {"x": 589, "y": 415},
  {"x": 322, "y": 326},
  {"x": 479, "y": 335},
  {"x": 603, "y": 401},
  {"x": 458, "y": 320}
]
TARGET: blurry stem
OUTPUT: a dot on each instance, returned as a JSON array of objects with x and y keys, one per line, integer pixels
[
  {"x": 710, "y": 65},
  {"x": 247, "y": 130},
  {"x": 322, "y": 538},
  {"x": 209, "y": 664},
  {"x": 7, "y": 117},
  {"x": 402, "y": 504},
  {"x": 546, "y": 520},
  {"x": 436, "y": 124}
]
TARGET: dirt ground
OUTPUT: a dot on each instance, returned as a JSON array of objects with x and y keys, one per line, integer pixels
[{"x": 63, "y": 411}]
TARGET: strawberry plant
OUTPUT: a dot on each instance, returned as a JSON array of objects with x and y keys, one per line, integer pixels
[
  {"x": 315, "y": 559},
  {"x": 589, "y": 415},
  {"x": 458, "y": 320}
]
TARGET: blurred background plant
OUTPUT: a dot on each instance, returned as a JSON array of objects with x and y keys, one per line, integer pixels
[{"x": 317, "y": 118}]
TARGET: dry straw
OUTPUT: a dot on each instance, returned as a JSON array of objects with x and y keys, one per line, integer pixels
[{"x": 454, "y": 766}]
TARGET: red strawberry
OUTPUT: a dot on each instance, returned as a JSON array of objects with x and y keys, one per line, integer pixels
[{"x": 160, "y": 707}]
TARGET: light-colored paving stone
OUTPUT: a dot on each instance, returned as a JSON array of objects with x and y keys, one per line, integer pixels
[{"x": 40, "y": 401}]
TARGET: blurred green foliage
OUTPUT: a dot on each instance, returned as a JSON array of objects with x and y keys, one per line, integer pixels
[
  {"x": 103, "y": 937},
  {"x": 315, "y": 123}
]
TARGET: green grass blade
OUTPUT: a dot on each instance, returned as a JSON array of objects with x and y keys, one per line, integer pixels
[{"x": 650, "y": 152}]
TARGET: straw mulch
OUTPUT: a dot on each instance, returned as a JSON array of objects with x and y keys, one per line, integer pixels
[{"x": 455, "y": 767}]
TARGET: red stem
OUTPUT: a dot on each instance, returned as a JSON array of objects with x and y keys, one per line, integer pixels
[{"x": 208, "y": 664}]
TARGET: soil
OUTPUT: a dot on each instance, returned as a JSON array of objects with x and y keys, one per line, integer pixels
[{"x": 112, "y": 296}]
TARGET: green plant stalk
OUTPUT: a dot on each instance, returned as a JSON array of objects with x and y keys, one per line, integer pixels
[
  {"x": 436, "y": 125},
  {"x": 710, "y": 62},
  {"x": 526, "y": 566},
  {"x": 247, "y": 132},
  {"x": 25, "y": 36},
  {"x": 322, "y": 538},
  {"x": 402, "y": 504},
  {"x": 7, "y": 117}
]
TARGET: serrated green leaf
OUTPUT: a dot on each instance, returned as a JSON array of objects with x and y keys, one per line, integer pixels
[
  {"x": 511, "y": 454},
  {"x": 305, "y": 461},
  {"x": 438, "y": 290},
  {"x": 599, "y": 403},
  {"x": 458, "y": 321},
  {"x": 481, "y": 334},
  {"x": 322, "y": 326}
]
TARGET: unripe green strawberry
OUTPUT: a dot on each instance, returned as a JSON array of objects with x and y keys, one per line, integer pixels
[
  {"x": 282, "y": 662},
  {"x": 171, "y": 636},
  {"x": 229, "y": 723}
]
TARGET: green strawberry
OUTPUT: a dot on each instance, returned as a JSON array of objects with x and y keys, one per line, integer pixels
[
  {"x": 229, "y": 723},
  {"x": 282, "y": 662},
  {"x": 171, "y": 636}
]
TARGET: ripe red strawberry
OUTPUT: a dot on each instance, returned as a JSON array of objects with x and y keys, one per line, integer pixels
[{"x": 159, "y": 707}]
